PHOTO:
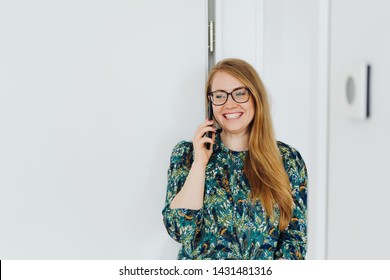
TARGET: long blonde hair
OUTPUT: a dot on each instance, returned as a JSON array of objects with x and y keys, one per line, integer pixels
[{"x": 263, "y": 165}]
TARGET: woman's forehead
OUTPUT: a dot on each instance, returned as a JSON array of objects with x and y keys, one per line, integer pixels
[{"x": 225, "y": 81}]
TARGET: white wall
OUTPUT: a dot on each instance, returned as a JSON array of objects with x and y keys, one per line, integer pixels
[
  {"x": 93, "y": 97},
  {"x": 359, "y": 188}
]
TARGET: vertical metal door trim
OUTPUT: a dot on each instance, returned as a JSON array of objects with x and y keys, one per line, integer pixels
[{"x": 211, "y": 34}]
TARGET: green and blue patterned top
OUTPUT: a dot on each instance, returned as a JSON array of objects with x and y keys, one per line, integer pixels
[{"x": 229, "y": 226}]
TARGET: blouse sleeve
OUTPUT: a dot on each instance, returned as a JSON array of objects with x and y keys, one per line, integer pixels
[
  {"x": 182, "y": 224},
  {"x": 292, "y": 241}
]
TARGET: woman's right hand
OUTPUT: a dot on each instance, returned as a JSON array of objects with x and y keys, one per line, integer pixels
[
  {"x": 202, "y": 154},
  {"x": 191, "y": 195}
]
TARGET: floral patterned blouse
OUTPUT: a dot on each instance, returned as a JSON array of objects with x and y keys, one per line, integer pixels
[{"x": 229, "y": 226}]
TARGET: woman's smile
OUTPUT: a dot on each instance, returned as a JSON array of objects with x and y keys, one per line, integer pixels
[{"x": 232, "y": 116}]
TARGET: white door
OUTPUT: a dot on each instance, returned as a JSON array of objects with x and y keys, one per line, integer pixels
[
  {"x": 359, "y": 188},
  {"x": 93, "y": 97}
]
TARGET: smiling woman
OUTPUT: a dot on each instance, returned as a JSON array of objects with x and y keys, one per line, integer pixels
[{"x": 245, "y": 198}]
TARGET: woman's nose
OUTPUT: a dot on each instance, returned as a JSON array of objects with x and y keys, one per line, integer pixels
[{"x": 230, "y": 103}]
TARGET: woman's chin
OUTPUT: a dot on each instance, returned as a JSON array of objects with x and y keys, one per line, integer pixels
[{"x": 234, "y": 129}]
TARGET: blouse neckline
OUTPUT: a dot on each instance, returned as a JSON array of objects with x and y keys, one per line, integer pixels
[{"x": 225, "y": 148}]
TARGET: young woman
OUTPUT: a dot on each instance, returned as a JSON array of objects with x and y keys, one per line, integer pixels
[{"x": 245, "y": 197}]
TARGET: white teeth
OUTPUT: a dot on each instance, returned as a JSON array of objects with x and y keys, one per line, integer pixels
[{"x": 233, "y": 116}]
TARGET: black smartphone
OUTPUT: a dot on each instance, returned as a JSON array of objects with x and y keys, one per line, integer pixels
[{"x": 210, "y": 116}]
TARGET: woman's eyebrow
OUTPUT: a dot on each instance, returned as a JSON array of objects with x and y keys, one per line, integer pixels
[{"x": 228, "y": 91}]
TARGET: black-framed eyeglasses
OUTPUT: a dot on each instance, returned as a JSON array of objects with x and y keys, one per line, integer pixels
[{"x": 220, "y": 97}]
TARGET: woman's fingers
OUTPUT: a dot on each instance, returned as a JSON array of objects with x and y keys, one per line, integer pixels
[
  {"x": 202, "y": 130},
  {"x": 199, "y": 141},
  {"x": 205, "y": 140},
  {"x": 206, "y": 123}
]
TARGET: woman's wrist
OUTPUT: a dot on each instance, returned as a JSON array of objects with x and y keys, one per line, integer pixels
[{"x": 199, "y": 164}]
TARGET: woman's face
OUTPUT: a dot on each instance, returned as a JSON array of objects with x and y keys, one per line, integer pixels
[{"x": 233, "y": 117}]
